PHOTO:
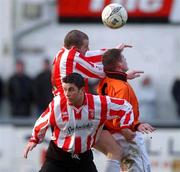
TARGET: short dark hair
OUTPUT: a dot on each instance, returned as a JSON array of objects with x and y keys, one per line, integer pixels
[
  {"x": 74, "y": 78},
  {"x": 75, "y": 38},
  {"x": 110, "y": 59}
]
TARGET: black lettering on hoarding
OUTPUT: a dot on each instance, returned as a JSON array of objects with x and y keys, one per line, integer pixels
[{"x": 171, "y": 149}]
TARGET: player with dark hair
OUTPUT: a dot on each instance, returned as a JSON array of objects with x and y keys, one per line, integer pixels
[
  {"x": 77, "y": 120},
  {"x": 134, "y": 155},
  {"x": 74, "y": 78}
]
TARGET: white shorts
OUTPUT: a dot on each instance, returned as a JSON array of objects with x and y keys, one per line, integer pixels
[{"x": 134, "y": 155}]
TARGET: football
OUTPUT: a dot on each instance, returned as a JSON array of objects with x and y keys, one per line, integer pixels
[{"x": 114, "y": 15}]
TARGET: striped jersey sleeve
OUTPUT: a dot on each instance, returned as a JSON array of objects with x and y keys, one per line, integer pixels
[
  {"x": 95, "y": 56},
  {"x": 95, "y": 52},
  {"x": 122, "y": 109},
  {"x": 88, "y": 68}
]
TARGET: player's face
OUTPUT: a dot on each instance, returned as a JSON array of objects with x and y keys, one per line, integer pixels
[
  {"x": 73, "y": 94},
  {"x": 85, "y": 47},
  {"x": 122, "y": 65}
]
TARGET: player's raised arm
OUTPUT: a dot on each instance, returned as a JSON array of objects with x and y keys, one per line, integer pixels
[
  {"x": 134, "y": 74},
  {"x": 122, "y": 46}
]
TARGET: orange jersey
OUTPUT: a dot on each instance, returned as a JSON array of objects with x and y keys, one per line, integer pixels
[{"x": 116, "y": 85}]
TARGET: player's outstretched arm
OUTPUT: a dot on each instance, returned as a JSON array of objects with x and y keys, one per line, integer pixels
[
  {"x": 145, "y": 128},
  {"x": 29, "y": 147},
  {"x": 134, "y": 74},
  {"x": 122, "y": 46}
]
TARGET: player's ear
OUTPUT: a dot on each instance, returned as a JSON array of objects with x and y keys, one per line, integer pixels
[
  {"x": 82, "y": 89},
  {"x": 118, "y": 65}
]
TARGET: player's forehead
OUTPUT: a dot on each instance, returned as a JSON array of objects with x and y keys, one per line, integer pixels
[{"x": 68, "y": 86}]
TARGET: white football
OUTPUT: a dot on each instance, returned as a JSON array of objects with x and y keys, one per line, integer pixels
[{"x": 114, "y": 15}]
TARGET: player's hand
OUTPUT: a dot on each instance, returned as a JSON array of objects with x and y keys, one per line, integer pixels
[
  {"x": 29, "y": 147},
  {"x": 122, "y": 46},
  {"x": 128, "y": 134},
  {"x": 134, "y": 74},
  {"x": 145, "y": 128}
]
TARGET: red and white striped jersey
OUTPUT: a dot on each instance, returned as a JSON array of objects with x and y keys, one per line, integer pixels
[
  {"x": 68, "y": 61},
  {"x": 75, "y": 129}
]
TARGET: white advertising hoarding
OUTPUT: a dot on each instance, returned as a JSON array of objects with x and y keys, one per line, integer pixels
[{"x": 163, "y": 147}]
